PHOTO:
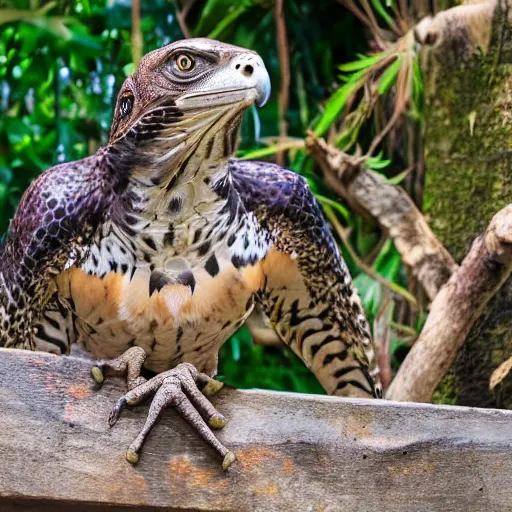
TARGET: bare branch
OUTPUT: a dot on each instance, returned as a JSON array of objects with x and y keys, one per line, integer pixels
[
  {"x": 284, "y": 63},
  {"x": 454, "y": 311},
  {"x": 464, "y": 27},
  {"x": 352, "y": 7},
  {"x": 136, "y": 33},
  {"x": 181, "y": 16},
  {"x": 371, "y": 195}
]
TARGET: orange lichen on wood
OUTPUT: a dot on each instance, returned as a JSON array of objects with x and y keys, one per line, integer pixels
[
  {"x": 79, "y": 391},
  {"x": 181, "y": 469},
  {"x": 255, "y": 456},
  {"x": 359, "y": 425}
]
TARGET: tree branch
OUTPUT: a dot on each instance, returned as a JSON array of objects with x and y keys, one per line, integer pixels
[
  {"x": 136, "y": 34},
  {"x": 454, "y": 311},
  {"x": 284, "y": 64},
  {"x": 371, "y": 195},
  {"x": 462, "y": 28}
]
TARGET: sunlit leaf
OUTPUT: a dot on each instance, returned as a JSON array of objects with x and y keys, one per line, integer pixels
[
  {"x": 389, "y": 76},
  {"x": 337, "y": 206},
  {"x": 364, "y": 62},
  {"x": 335, "y": 105},
  {"x": 377, "y": 163},
  {"x": 377, "y": 5}
]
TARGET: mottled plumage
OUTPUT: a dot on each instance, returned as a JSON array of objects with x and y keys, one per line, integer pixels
[{"x": 158, "y": 246}]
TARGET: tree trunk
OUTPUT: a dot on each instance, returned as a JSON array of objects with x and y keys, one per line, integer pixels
[{"x": 469, "y": 178}]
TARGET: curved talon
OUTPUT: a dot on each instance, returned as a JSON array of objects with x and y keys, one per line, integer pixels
[
  {"x": 177, "y": 388},
  {"x": 116, "y": 411},
  {"x": 97, "y": 374},
  {"x": 129, "y": 364},
  {"x": 213, "y": 387},
  {"x": 229, "y": 458},
  {"x": 218, "y": 421},
  {"x": 132, "y": 456}
]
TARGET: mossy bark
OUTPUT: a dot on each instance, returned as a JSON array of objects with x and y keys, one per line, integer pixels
[{"x": 468, "y": 179}]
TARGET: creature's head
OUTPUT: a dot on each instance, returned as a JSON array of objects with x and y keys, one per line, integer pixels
[{"x": 188, "y": 93}]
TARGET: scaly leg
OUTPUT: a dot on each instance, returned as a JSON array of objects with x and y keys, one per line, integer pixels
[
  {"x": 130, "y": 364},
  {"x": 177, "y": 387}
]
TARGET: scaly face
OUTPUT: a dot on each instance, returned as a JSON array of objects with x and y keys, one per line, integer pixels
[{"x": 183, "y": 94}]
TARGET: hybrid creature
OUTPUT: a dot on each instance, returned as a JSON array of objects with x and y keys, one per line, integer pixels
[{"x": 152, "y": 252}]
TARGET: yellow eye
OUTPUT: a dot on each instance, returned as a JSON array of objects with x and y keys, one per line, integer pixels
[{"x": 184, "y": 62}]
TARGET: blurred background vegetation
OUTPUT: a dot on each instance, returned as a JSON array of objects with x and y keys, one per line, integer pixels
[{"x": 334, "y": 70}]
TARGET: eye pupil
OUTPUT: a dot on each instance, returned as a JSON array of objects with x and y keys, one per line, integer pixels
[
  {"x": 184, "y": 63},
  {"x": 126, "y": 105}
]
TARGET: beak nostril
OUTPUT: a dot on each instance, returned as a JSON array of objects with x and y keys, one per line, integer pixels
[{"x": 248, "y": 70}]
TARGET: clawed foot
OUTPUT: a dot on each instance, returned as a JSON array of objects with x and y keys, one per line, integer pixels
[
  {"x": 177, "y": 387},
  {"x": 129, "y": 364}
]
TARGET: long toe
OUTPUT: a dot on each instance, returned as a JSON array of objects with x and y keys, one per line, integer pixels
[
  {"x": 176, "y": 388},
  {"x": 128, "y": 364}
]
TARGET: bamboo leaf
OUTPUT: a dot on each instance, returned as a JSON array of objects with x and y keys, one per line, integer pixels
[
  {"x": 10, "y": 15},
  {"x": 337, "y": 206},
  {"x": 396, "y": 180},
  {"x": 363, "y": 62},
  {"x": 271, "y": 150},
  {"x": 377, "y": 5},
  {"x": 335, "y": 105},
  {"x": 377, "y": 162},
  {"x": 389, "y": 76}
]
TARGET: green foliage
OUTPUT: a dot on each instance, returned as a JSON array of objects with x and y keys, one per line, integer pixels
[{"x": 61, "y": 63}]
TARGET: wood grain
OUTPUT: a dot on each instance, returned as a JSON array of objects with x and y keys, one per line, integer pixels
[{"x": 295, "y": 452}]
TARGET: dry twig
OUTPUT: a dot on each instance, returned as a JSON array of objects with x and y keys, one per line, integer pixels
[
  {"x": 500, "y": 373},
  {"x": 181, "y": 16},
  {"x": 371, "y": 195},
  {"x": 136, "y": 33},
  {"x": 381, "y": 337},
  {"x": 284, "y": 63}
]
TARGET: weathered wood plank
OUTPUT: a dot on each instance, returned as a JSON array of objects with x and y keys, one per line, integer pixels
[{"x": 295, "y": 452}]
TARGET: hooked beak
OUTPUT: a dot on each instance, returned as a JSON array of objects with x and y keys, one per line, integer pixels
[
  {"x": 263, "y": 87},
  {"x": 245, "y": 80},
  {"x": 253, "y": 72}
]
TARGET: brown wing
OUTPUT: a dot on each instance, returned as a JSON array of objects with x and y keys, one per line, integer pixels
[
  {"x": 57, "y": 215},
  {"x": 306, "y": 289}
]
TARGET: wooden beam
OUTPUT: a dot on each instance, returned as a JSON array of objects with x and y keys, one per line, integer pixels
[{"x": 295, "y": 452}]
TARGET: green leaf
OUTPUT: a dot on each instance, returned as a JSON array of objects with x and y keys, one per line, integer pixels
[
  {"x": 388, "y": 78},
  {"x": 129, "y": 68},
  {"x": 377, "y": 163},
  {"x": 335, "y": 105},
  {"x": 377, "y": 5},
  {"x": 337, "y": 206},
  {"x": 364, "y": 62},
  {"x": 227, "y": 21},
  {"x": 235, "y": 348}
]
